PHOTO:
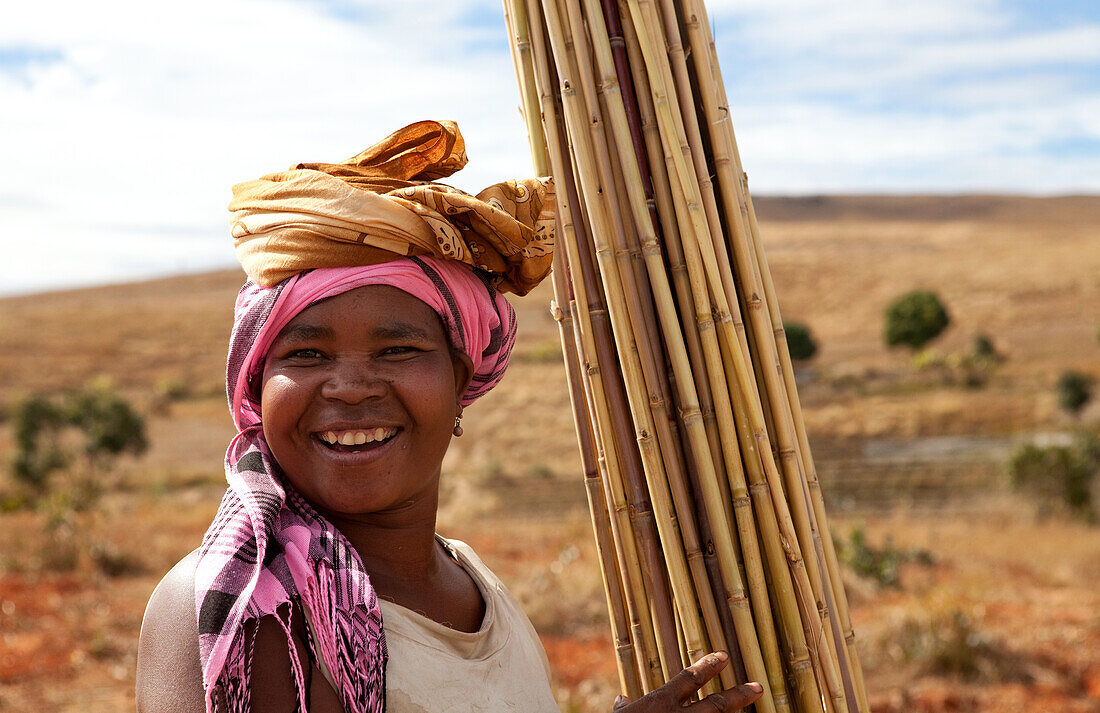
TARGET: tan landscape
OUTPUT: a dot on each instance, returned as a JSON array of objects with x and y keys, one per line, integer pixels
[{"x": 981, "y": 600}]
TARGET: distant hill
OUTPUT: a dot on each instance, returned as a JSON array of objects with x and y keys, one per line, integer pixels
[
  {"x": 999, "y": 262},
  {"x": 927, "y": 207}
]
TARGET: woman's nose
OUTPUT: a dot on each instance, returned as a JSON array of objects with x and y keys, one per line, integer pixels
[{"x": 352, "y": 382}]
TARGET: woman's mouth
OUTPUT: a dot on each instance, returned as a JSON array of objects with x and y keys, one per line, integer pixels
[{"x": 356, "y": 440}]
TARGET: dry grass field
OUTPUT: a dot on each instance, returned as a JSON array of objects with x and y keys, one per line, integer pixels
[{"x": 973, "y": 601}]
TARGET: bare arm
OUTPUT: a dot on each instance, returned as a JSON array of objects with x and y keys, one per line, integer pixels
[{"x": 169, "y": 676}]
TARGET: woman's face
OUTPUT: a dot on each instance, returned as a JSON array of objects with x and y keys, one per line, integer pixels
[{"x": 360, "y": 394}]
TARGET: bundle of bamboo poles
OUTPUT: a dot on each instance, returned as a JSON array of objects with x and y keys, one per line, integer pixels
[{"x": 705, "y": 503}]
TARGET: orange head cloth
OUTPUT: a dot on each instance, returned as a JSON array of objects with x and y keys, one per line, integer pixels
[{"x": 382, "y": 204}]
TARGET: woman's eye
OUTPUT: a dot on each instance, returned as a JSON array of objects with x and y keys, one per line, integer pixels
[
  {"x": 304, "y": 354},
  {"x": 400, "y": 350}
]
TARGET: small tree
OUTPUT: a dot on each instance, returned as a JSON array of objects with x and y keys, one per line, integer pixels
[
  {"x": 1059, "y": 476},
  {"x": 800, "y": 342},
  {"x": 111, "y": 427},
  {"x": 915, "y": 319},
  {"x": 37, "y": 421},
  {"x": 108, "y": 423},
  {"x": 1074, "y": 390},
  {"x": 984, "y": 349}
]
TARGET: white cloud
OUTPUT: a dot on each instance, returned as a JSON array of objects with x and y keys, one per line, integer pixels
[
  {"x": 154, "y": 110},
  {"x": 130, "y": 120}
]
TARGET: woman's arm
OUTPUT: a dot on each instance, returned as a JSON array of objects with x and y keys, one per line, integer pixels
[{"x": 169, "y": 676}]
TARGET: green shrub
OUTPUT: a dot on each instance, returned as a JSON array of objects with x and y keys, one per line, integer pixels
[
  {"x": 882, "y": 564},
  {"x": 800, "y": 342},
  {"x": 1074, "y": 390},
  {"x": 37, "y": 421},
  {"x": 1059, "y": 476},
  {"x": 914, "y": 319},
  {"x": 983, "y": 348},
  {"x": 108, "y": 423},
  {"x": 948, "y": 643}
]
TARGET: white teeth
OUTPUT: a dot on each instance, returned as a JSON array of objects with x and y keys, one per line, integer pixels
[{"x": 356, "y": 438}]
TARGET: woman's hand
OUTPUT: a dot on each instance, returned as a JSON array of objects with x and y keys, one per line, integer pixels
[{"x": 673, "y": 695}]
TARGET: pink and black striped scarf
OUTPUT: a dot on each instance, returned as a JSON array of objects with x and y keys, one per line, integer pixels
[{"x": 268, "y": 552}]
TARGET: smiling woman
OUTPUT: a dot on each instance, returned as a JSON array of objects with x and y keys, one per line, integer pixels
[
  {"x": 321, "y": 584},
  {"x": 362, "y": 392}
]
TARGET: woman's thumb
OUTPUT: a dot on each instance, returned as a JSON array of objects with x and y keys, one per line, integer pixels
[{"x": 620, "y": 701}]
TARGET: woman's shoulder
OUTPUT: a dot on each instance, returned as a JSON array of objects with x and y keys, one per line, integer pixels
[
  {"x": 465, "y": 552},
  {"x": 169, "y": 675}
]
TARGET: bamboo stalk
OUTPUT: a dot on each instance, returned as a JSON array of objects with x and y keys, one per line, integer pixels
[
  {"x": 630, "y": 524},
  {"x": 640, "y": 215},
  {"x": 811, "y": 474},
  {"x": 596, "y": 187},
  {"x": 718, "y": 499},
  {"x": 782, "y": 385},
  {"x": 601, "y": 523},
  {"x": 660, "y": 96},
  {"x": 646, "y": 19}
]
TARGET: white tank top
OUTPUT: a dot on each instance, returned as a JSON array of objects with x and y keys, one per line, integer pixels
[{"x": 435, "y": 669}]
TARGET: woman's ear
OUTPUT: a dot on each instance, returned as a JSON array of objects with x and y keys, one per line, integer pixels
[{"x": 464, "y": 371}]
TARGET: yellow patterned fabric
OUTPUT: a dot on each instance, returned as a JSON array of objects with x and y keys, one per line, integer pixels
[{"x": 384, "y": 203}]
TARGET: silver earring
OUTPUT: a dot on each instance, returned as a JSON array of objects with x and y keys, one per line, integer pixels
[{"x": 458, "y": 426}]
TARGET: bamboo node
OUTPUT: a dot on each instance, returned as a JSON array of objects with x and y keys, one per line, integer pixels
[
  {"x": 556, "y": 311},
  {"x": 690, "y": 414}
]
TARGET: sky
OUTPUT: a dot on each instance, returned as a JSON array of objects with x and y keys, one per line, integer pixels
[{"x": 124, "y": 123}]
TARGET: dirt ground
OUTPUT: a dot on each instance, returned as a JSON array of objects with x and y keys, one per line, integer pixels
[{"x": 986, "y": 607}]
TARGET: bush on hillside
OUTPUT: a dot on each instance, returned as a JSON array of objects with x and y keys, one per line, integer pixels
[
  {"x": 1059, "y": 477},
  {"x": 37, "y": 421},
  {"x": 106, "y": 421},
  {"x": 1074, "y": 391},
  {"x": 800, "y": 342},
  {"x": 914, "y": 319}
]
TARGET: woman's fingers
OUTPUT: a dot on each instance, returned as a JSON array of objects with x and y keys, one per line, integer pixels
[
  {"x": 684, "y": 684},
  {"x": 727, "y": 701},
  {"x": 672, "y": 696}
]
